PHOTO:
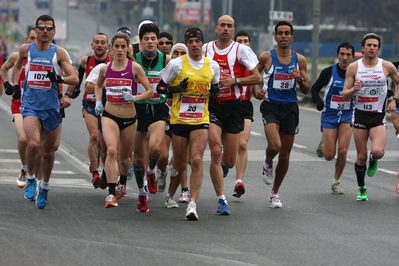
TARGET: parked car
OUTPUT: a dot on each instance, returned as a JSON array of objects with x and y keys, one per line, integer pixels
[
  {"x": 42, "y": 3},
  {"x": 73, "y": 4}
]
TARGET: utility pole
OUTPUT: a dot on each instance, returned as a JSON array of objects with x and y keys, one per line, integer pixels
[
  {"x": 271, "y": 22},
  {"x": 202, "y": 15},
  {"x": 315, "y": 39}
]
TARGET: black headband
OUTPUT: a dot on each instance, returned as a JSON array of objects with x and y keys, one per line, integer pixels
[{"x": 194, "y": 34}]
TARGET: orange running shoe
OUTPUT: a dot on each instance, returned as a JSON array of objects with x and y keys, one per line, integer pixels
[
  {"x": 110, "y": 201},
  {"x": 120, "y": 191}
]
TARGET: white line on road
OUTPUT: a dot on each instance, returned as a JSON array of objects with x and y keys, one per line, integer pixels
[{"x": 19, "y": 161}]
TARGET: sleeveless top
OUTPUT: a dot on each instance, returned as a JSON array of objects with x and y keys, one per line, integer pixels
[
  {"x": 279, "y": 82},
  {"x": 191, "y": 107},
  {"x": 229, "y": 67},
  {"x": 333, "y": 94},
  {"x": 39, "y": 92},
  {"x": 153, "y": 77},
  {"x": 373, "y": 92},
  {"x": 91, "y": 63},
  {"x": 118, "y": 82}
]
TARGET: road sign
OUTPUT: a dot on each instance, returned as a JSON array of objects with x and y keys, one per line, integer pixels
[
  {"x": 189, "y": 13},
  {"x": 281, "y": 15}
]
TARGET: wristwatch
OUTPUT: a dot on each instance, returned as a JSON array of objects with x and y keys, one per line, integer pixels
[
  {"x": 300, "y": 80},
  {"x": 238, "y": 81}
]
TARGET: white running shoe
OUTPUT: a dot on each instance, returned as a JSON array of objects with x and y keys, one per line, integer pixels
[
  {"x": 170, "y": 202},
  {"x": 274, "y": 198},
  {"x": 184, "y": 196},
  {"x": 161, "y": 180},
  {"x": 191, "y": 212},
  {"x": 267, "y": 173}
]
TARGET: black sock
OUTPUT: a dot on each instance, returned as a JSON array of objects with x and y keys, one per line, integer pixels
[
  {"x": 111, "y": 188},
  {"x": 153, "y": 161},
  {"x": 184, "y": 189},
  {"x": 122, "y": 179},
  {"x": 360, "y": 174},
  {"x": 139, "y": 174}
]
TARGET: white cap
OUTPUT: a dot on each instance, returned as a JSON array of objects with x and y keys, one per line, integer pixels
[
  {"x": 142, "y": 23},
  {"x": 179, "y": 45}
]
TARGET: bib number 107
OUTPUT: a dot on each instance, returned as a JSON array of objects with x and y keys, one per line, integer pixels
[{"x": 40, "y": 76}]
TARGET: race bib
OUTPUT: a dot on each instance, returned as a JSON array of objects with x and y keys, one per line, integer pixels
[
  {"x": 37, "y": 77},
  {"x": 191, "y": 108}
]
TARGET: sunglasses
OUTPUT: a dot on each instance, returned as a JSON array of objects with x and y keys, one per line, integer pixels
[
  {"x": 167, "y": 42},
  {"x": 370, "y": 34},
  {"x": 42, "y": 27}
]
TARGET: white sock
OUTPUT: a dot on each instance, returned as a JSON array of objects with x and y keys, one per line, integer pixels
[
  {"x": 222, "y": 197},
  {"x": 142, "y": 191},
  {"x": 44, "y": 185},
  {"x": 238, "y": 181},
  {"x": 150, "y": 171}
]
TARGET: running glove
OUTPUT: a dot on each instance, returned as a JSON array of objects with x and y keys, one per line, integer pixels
[
  {"x": 16, "y": 92},
  {"x": 129, "y": 97},
  {"x": 182, "y": 87},
  {"x": 76, "y": 92},
  {"x": 214, "y": 91},
  {"x": 99, "y": 108},
  {"x": 54, "y": 77},
  {"x": 9, "y": 88},
  {"x": 320, "y": 105}
]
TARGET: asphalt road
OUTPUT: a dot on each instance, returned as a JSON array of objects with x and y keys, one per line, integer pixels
[{"x": 314, "y": 227}]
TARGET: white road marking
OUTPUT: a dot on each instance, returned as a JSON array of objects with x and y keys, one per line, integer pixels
[{"x": 19, "y": 161}]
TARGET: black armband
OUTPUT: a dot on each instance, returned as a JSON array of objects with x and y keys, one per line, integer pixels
[{"x": 162, "y": 87}]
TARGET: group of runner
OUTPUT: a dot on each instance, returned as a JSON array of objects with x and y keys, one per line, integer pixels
[{"x": 198, "y": 94}]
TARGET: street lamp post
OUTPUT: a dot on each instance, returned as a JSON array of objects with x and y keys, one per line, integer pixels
[{"x": 315, "y": 38}]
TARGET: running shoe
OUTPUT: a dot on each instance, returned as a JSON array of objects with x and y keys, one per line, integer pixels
[
  {"x": 30, "y": 189},
  {"x": 111, "y": 201},
  {"x": 362, "y": 194},
  {"x": 41, "y": 200},
  {"x": 267, "y": 173},
  {"x": 184, "y": 196},
  {"x": 191, "y": 212},
  {"x": 103, "y": 180},
  {"x": 145, "y": 184},
  {"x": 337, "y": 189},
  {"x": 96, "y": 179},
  {"x": 131, "y": 172},
  {"x": 397, "y": 185},
  {"x": 320, "y": 148},
  {"x": 274, "y": 198},
  {"x": 225, "y": 170},
  {"x": 98, "y": 163},
  {"x": 397, "y": 135},
  {"x": 173, "y": 172},
  {"x": 142, "y": 203},
  {"x": 161, "y": 180},
  {"x": 120, "y": 191},
  {"x": 21, "y": 180},
  {"x": 373, "y": 166},
  {"x": 223, "y": 207},
  {"x": 152, "y": 183},
  {"x": 239, "y": 189},
  {"x": 170, "y": 202}
]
